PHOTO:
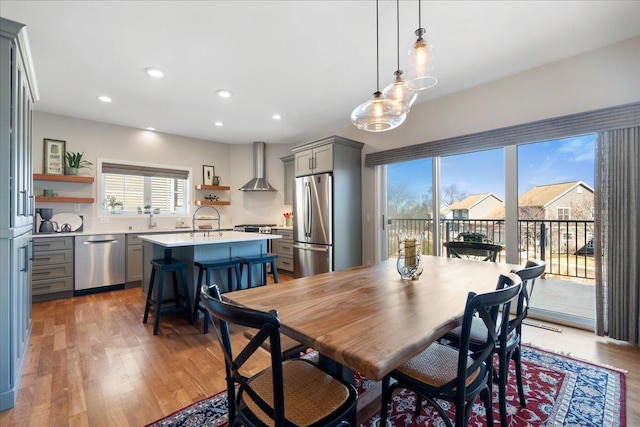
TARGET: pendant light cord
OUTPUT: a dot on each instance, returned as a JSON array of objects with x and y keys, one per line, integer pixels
[
  {"x": 377, "y": 52},
  {"x": 419, "y": 14},
  {"x": 398, "y": 32}
]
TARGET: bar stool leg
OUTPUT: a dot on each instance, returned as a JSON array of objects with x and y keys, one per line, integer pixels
[
  {"x": 274, "y": 271},
  {"x": 147, "y": 307},
  {"x": 156, "y": 324},
  {"x": 238, "y": 268},
  {"x": 196, "y": 301},
  {"x": 176, "y": 294}
]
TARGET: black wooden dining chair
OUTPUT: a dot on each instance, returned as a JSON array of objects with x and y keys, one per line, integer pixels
[
  {"x": 509, "y": 346},
  {"x": 473, "y": 250},
  {"x": 291, "y": 392},
  {"x": 458, "y": 374}
]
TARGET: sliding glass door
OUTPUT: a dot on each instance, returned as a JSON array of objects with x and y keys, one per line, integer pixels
[{"x": 554, "y": 181}]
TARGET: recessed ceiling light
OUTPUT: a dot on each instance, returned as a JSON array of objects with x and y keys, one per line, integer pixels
[
  {"x": 276, "y": 117},
  {"x": 224, "y": 93},
  {"x": 154, "y": 72},
  {"x": 219, "y": 124},
  {"x": 104, "y": 98},
  {"x": 150, "y": 128}
]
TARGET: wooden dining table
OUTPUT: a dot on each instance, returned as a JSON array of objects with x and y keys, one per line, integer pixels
[{"x": 369, "y": 319}]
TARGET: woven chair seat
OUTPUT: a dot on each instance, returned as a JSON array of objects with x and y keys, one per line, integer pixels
[
  {"x": 436, "y": 366},
  {"x": 309, "y": 393}
]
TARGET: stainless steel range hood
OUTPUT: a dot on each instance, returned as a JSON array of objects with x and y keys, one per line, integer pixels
[{"x": 259, "y": 182}]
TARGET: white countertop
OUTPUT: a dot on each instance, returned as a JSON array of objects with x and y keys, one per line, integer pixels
[
  {"x": 116, "y": 231},
  {"x": 200, "y": 238}
]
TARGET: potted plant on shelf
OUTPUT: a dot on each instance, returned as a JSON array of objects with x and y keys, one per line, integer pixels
[{"x": 74, "y": 162}]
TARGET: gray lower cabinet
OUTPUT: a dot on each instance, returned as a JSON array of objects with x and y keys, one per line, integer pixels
[
  {"x": 134, "y": 268},
  {"x": 284, "y": 248},
  {"x": 52, "y": 271}
]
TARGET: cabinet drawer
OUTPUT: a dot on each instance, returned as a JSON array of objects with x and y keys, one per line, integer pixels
[
  {"x": 284, "y": 263},
  {"x": 133, "y": 239},
  {"x": 52, "y": 244},
  {"x": 285, "y": 233},
  {"x": 41, "y": 287},
  {"x": 52, "y": 257},
  {"x": 285, "y": 248},
  {"x": 43, "y": 272}
]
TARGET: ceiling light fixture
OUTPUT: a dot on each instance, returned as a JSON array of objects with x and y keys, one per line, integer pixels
[
  {"x": 400, "y": 90},
  {"x": 104, "y": 98},
  {"x": 378, "y": 114},
  {"x": 224, "y": 93},
  {"x": 219, "y": 124},
  {"x": 276, "y": 117},
  {"x": 154, "y": 72},
  {"x": 421, "y": 70},
  {"x": 151, "y": 128}
]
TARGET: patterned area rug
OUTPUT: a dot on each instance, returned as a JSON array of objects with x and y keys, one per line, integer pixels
[{"x": 560, "y": 391}]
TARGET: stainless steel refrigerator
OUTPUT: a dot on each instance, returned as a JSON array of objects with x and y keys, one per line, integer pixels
[{"x": 313, "y": 225}]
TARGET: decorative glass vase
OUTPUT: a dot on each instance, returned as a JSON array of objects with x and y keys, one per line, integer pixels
[{"x": 409, "y": 255}]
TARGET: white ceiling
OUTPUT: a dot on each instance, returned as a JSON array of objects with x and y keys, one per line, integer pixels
[{"x": 310, "y": 61}]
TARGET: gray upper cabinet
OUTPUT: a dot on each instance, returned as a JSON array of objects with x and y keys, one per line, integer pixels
[
  {"x": 317, "y": 159},
  {"x": 17, "y": 95},
  {"x": 289, "y": 177}
]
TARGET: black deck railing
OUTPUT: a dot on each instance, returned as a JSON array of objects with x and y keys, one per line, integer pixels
[{"x": 566, "y": 245}]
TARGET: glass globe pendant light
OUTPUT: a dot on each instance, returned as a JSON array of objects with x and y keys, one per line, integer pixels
[
  {"x": 421, "y": 71},
  {"x": 379, "y": 113},
  {"x": 400, "y": 90}
]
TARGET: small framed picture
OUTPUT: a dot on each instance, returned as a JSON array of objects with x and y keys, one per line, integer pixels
[
  {"x": 54, "y": 150},
  {"x": 208, "y": 172}
]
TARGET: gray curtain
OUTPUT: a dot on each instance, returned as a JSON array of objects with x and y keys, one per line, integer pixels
[{"x": 617, "y": 248}]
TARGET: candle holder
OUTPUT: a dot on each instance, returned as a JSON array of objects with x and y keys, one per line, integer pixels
[{"x": 409, "y": 255}]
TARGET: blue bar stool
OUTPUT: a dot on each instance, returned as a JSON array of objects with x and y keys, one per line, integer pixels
[
  {"x": 206, "y": 267},
  {"x": 263, "y": 259},
  {"x": 163, "y": 266}
]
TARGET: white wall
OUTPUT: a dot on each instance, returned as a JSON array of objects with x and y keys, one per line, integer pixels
[
  {"x": 233, "y": 163},
  {"x": 601, "y": 78},
  {"x": 598, "y": 79}
]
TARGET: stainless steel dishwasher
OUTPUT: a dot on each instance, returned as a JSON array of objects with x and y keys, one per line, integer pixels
[{"x": 99, "y": 263}]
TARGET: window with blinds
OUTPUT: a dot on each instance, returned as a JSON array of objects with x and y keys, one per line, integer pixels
[{"x": 141, "y": 188}]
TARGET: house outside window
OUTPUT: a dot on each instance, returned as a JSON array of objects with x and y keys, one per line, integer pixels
[
  {"x": 460, "y": 213},
  {"x": 563, "y": 214}
]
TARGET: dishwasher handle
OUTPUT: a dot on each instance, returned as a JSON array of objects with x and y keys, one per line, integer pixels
[{"x": 91, "y": 242}]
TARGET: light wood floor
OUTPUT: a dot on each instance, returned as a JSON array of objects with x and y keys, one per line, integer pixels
[{"x": 92, "y": 362}]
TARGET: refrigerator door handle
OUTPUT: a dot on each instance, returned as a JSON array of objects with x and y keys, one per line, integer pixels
[
  {"x": 307, "y": 208},
  {"x": 316, "y": 249}
]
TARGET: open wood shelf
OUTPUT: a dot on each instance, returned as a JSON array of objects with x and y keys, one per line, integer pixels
[
  {"x": 63, "y": 178},
  {"x": 212, "y": 187},
  {"x": 212, "y": 203},
  {"x": 58, "y": 199}
]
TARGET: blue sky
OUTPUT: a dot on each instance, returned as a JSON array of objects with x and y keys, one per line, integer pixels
[{"x": 548, "y": 162}]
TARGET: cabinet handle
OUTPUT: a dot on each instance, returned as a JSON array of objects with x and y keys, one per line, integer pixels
[
  {"x": 23, "y": 193},
  {"x": 32, "y": 205},
  {"x": 25, "y": 267},
  {"x": 310, "y": 163}
]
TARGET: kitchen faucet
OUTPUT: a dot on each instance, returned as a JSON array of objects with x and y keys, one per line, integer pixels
[{"x": 152, "y": 223}]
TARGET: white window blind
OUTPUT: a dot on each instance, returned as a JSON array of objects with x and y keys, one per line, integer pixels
[{"x": 140, "y": 187}]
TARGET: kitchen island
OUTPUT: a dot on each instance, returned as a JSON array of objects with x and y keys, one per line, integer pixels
[{"x": 207, "y": 245}]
